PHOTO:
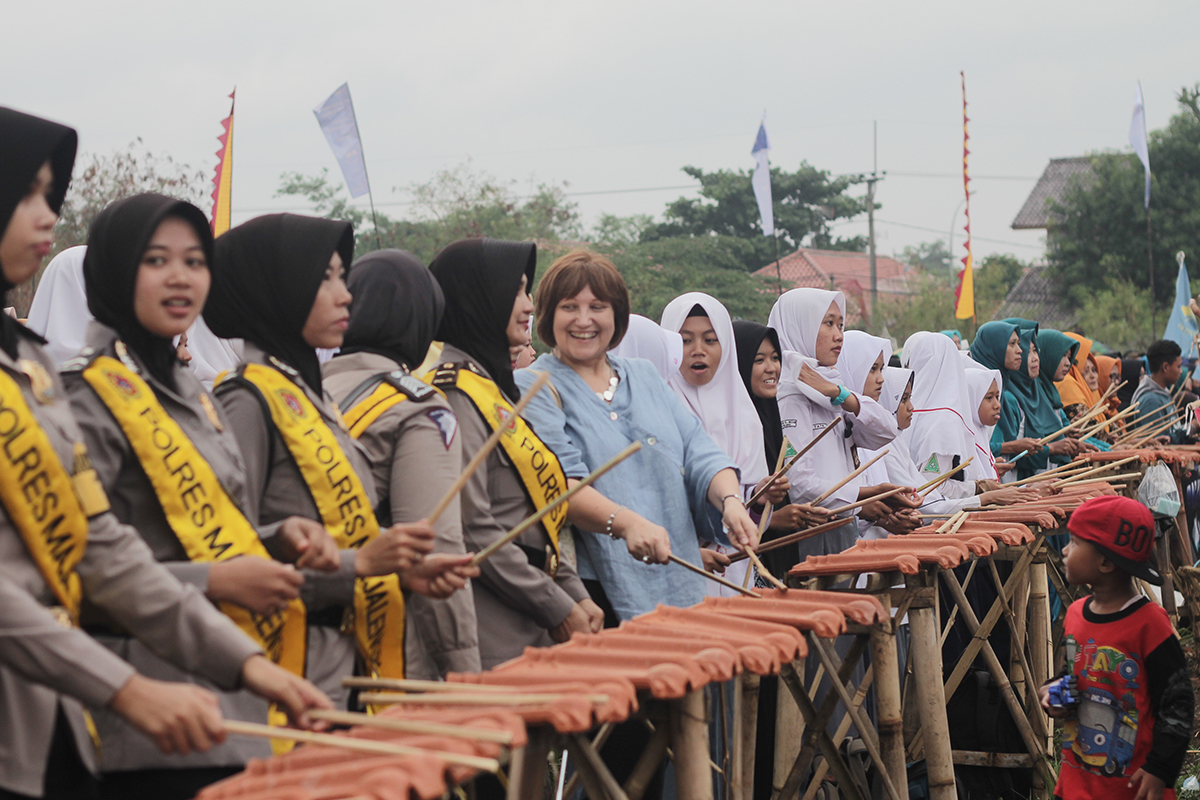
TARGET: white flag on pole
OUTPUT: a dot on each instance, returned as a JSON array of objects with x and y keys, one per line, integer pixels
[
  {"x": 1137, "y": 136},
  {"x": 761, "y": 181},
  {"x": 336, "y": 118}
]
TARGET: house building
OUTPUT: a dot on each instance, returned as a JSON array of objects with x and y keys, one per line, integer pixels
[{"x": 844, "y": 271}]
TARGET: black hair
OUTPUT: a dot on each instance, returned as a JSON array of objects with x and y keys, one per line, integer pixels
[
  {"x": 1162, "y": 352},
  {"x": 697, "y": 311}
]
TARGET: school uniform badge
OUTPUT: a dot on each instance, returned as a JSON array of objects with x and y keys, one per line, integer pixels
[
  {"x": 447, "y": 424},
  {"x": 932, "y": 465}
]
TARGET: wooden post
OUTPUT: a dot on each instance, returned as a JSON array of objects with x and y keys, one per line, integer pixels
[
  {"x": 1020, "y": 609},
  {"x": 689, "y": 741},
  {"x": 527, "y": 777},
  {"x": 745, "y": 716},
  {"x": 1163, "y": 546},
  {"x": 889, "y": 718},
  {"x": 931, "y": 701},
  {"x": 789, "y": 731},
  {"x": 1039, "y": 657}
]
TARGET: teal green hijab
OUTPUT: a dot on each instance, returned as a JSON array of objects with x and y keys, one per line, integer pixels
[
  {"x": 1052, "y": 346},
  {"x": 991, "y": 346},
  {"x": 1041, "y": 419}
]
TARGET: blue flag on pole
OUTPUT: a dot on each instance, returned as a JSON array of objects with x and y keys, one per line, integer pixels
[
  {"x": 336, "y": 118},
  {"x": 1182, "y": 326},
  {"x": 761, "y": 180}
]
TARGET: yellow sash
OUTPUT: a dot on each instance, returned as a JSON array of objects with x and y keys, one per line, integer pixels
[
  {"x": 40, "y": 496},
  {"x": 541, "y": 474},
  {"x": 345, "y": 511},
  {"x": 200, "y": 512}
]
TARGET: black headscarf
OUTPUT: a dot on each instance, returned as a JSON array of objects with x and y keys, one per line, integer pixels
[
  {"x": 266, "y": 274},
  {"x": 748, "y": 337},
  {"x": 1131, "y": 373},
  {"x": 27, "y": 142},
  {"x": 480, "y": 278},
  {"x": 116, "y": 242},
  {"x": 397, "y": 307}
]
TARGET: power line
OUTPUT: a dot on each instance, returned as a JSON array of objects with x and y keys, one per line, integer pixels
[{"x": 980, "y": 238}]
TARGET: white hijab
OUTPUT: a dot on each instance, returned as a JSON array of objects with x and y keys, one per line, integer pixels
[
  {"x": 941, "y": 417},
  {"x": 211, "y": 355},
  {"x": 645, "y": 338},
  {"x": 859, "y": 351},
  {"x": 979, "y": 383},
  {"x": 895, "y": 381},
  {"x": 60, "y": 312},
  {"x": 723, "y": 404},
  {"x": 796, "y": 318}
]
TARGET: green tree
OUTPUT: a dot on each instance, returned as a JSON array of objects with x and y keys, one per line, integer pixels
[
  {"x": 1099, "y": 230},
  {"x": 1116, "y": 315},
  {"x": 806, "y": 203},
  {"x": 929, "y": 305},
  {"x": 995, "y": 277},
  {"x": 932, "y": 257}
]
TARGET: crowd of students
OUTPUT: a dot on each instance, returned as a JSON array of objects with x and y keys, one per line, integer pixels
[{"x": 232, "y": 537}]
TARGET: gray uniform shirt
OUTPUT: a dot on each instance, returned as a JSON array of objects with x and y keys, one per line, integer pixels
[
  {"x": 416, "y": 454},
  {"x": 135, "y": 503},
  {"x": 43, "y": 664},
  {"x": 276, "y": 490},
  {"x": 516, "y": 603}
]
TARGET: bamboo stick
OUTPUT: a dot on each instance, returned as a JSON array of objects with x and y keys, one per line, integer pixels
[
  {"x": 418, "y": 726},
  {"x": 1141, "y": 429},
  {"x": 1074, "y": 424},
  {"x": 929, "y": 486},
  {"x": 847, "y": 479},
  {"x": 488, "y": 446},
  {"x": 485, "y": 699},
  {"x": 1097, "y": 470},
  {"x": 792, "y": 461},
  {"x": 712, "y": 577},
  {"x": 1108, "y": 478},
  {"x": 763, "y": 520},
  {"x": 798, "y": 536},
  {"x": 762, "y": 570},
  {"x": 436, "y": 687},
  {"x": 532, "y": 520},
  {"x": 1052, "y": 474},
  {"x": 1092, "y": 431},
  {"x": 951, "y": 521},
  {"x": 833, "y": 512},
  {"x": 362, "y": 745},
  {"x": 1159, "y": 431}
]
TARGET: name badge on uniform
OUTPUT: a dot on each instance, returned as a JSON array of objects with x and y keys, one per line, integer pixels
[{"x": 39, "y": 380}]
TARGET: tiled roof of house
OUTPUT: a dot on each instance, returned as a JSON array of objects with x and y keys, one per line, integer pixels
[
  {"x": 1052, "y": 185},
  {"x": 847, "y": 272},
  {"x": 1039, "y": 297}
]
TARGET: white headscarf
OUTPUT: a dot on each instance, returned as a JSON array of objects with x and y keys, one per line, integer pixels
[
  {"x": 859, "y": 351},
  {"x": 60, "y": 312},
  {"x": 645, "y": 338},
  {"x": 723, "y": 404},
  {"x": 895, "y": 381},
  {"x": 979, "y": 383},
  {"x": 211, "y": 355},
  {"x": 941, "y": 418},
  {"x": 796, "y": 317}
]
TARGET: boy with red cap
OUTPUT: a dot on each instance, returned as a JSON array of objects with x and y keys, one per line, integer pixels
[{"x": 1126, "y": 695}]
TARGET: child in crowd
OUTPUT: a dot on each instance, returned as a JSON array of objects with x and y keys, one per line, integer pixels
[{"x": 1128, "y": 701}]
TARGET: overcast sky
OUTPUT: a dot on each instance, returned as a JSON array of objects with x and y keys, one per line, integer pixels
[{"x": 614, "y": 97}]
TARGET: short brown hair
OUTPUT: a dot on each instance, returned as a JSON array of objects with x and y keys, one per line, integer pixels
[{"x": 567, "y": 277}]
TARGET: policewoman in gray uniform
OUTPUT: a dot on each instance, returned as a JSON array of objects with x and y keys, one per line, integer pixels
[
  {"x": 526, "y": 595},
  {"x": 279, "y": 285},
  {"x": 146, "y": 276},
  {"x": 410, "y": 436},
  {"x": 50, "y": 669}
]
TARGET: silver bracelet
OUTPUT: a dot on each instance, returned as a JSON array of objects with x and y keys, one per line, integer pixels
[
  {"x": 737, "y": 497},
  {"x": 608, "y": 526}
]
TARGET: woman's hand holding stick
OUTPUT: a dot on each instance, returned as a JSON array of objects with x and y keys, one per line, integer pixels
[{"x": 927, "y": 487}]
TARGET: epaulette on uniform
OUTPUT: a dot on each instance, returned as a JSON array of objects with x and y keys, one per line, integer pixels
[
  {"x": 416, "y": 390},
  {"x": 80, "y": 362}
]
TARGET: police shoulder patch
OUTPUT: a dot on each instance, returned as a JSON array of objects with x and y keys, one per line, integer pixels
[{"x": 447, "y": 424}]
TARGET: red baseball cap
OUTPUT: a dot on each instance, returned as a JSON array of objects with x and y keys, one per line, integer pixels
[{"x": 1122, "y": 529}]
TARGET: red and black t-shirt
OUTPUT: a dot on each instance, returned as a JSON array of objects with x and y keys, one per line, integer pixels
[{"x": 1135, "y": 701}]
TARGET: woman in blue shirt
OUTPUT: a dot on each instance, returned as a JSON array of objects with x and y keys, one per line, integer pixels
[{"x": 601, "y": 404}]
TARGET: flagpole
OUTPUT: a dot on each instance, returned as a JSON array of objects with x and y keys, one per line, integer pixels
[
  {"x": 1150, "y": 262},
  {"x": 367, "y": 175},
  {"x": 778, "y": 271}
]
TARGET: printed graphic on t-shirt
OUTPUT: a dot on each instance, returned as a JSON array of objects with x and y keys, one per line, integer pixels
[{"x": 1101, "y": 738}]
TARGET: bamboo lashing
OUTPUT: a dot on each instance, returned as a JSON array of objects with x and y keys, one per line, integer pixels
[
  {"x": 791, "y": 462},
  {"x": 847, "y": 479},
  {"x": 362, "y": 745},
  {"x": 481, "y": 699},
  {"x": 798, "y": 536},
  {"x": 712, "y": 577},
  {"x": 488, "y": 446},
  {"x": 533, "y": 519},
  {"x": 929, "y": 486},
  {"x": 414, "y": 726}
]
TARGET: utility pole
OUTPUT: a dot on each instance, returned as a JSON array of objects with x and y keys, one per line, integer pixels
[{"x": 876, "y": 176}]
